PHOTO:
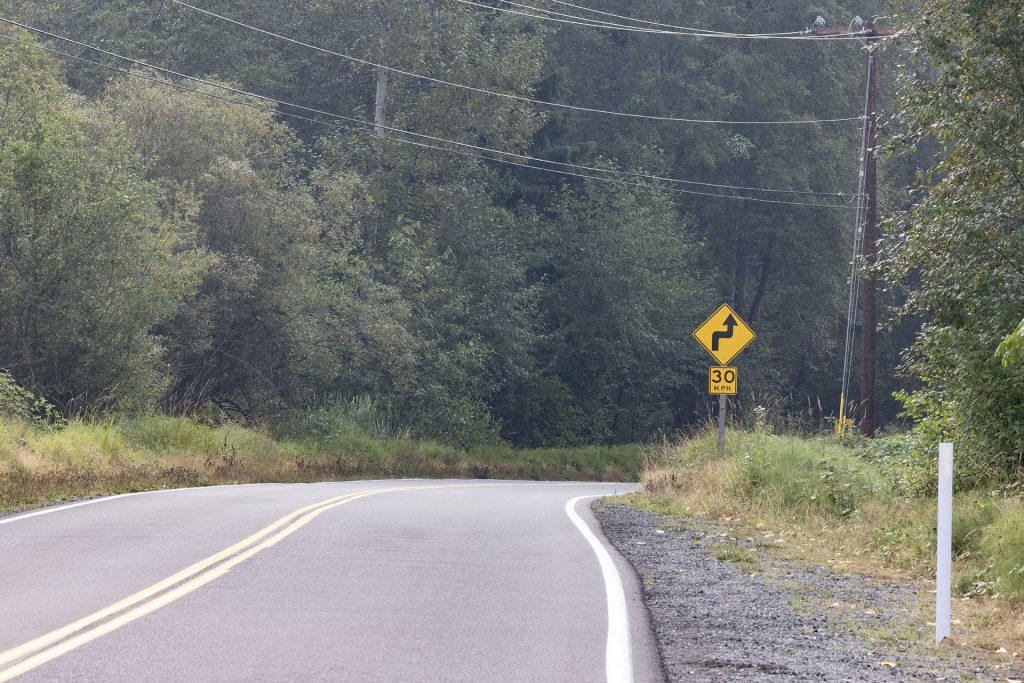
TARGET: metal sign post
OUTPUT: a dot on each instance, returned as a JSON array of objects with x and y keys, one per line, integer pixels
[
  {"x": 722, "y": 403},
  {"x": 723, "y": 335}
]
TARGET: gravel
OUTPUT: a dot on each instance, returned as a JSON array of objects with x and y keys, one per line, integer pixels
[{"x": 772, "y": 620}]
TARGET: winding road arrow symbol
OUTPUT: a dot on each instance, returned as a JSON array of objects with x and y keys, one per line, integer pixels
[
  {"x": 724, "y": 334},
  {"x": 730, "y": 323}
]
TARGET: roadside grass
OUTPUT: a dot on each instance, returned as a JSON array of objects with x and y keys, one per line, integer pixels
[
  {"x": 746, "y": 558},
  {"x": 40, "y": 465},
  {"x": 827, "y": 502}
]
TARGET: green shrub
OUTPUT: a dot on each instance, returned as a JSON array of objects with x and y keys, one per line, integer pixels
[
  {"x": 903, "y": 460},
  {"x": 804, "y": 473},
  {"x": 910, "y": 463},
  {"x": 17, "y": 401},
  {"x": 1003, "y": 544},
  {"x": 330, "y": 420},
  {"x": 163, "y": 434},
  {"x": 971, "y": 519}
]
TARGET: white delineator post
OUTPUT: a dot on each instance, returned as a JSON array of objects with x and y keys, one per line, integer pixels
[{"x": 944, "y": 543}]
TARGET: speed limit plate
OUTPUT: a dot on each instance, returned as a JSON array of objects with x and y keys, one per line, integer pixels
[{"x": 722, "y": 380}]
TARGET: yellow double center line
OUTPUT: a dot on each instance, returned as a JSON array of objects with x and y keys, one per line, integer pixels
[{"x": 61, "y": 641}]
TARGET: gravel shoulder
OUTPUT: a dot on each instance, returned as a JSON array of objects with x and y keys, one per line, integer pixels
[{"x": 755, "y": 617}]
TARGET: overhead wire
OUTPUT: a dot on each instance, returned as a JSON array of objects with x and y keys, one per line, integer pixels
[
  {"x": 652, "y": 23},
  {"x": 594, "y": 22},
  {"x": 511, "y": 96},
  {"x": 370, "y": 124},
  {"x": 599, "y": 23},
  {"x": 340, "y": 126},
  {"x": 693, "y": 34}
]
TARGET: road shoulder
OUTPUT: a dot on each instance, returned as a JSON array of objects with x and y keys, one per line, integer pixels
[{"x": 722, "y": 610}]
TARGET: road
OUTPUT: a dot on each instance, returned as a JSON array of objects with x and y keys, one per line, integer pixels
[{"x": 355, "y": 581}]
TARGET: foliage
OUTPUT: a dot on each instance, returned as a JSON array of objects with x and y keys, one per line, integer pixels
[
  {"x": 1011, "y": 349},
  {"x": 261, "y": 325},
  {"x": 622, "y": 298},
  {"x": 89, "y": 265},
  {"x": 1003, "y": 543},
  {"x": 903, "y": 460},
  {"x": 322, "y": 262},
  {"x": 17, "y": 401},
  {"x": 849, "y": 505},
  {"x": 781, "y": 266},
  {"x": 961, "y": 245},
  {"x": 334, "y": 418},
  {"x": 797, "y": 472},
  {"x": 42, "y": 464}
]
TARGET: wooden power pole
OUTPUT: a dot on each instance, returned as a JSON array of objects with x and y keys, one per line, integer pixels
[
  {"x": 868, "y": 289},
  {"x": 868, "y": 299}
]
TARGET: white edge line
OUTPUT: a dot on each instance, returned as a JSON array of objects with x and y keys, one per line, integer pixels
[
  {"x": 68, "y": 506},
  {"x": 17, "y": 517},
  {"x": 618, "y": 655},
  {"x": 58, "y": 507}
]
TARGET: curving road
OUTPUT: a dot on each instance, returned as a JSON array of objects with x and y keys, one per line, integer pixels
[{"x": 355, "y": 581}]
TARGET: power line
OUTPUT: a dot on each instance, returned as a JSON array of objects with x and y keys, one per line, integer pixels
[
  {"x": 438, "y": 139},
  {"x": 591, "y": 22},
  {"x": 598, "y": 23},
  {"x": 520, "y": 98},
  {"x": 655, "y": 23},
  {"x": 637, "y": 29},
  {"x": 244, "y": 93},
  {"x": 422, "y": 135},
  {"x": 339, "y": 126}
]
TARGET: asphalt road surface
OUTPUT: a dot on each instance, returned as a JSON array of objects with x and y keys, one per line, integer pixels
[{"x": 355, "y": 581}]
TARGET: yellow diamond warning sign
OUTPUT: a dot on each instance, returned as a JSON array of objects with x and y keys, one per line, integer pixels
[
  {"x": 722, "y": 381},
  {"x": 724, "y": 334}
]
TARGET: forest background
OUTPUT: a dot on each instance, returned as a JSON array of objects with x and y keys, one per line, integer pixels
[{"x": 171, "y": 246}]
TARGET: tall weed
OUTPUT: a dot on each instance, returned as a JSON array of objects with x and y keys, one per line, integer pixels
[{"x": 870, "y": 500}]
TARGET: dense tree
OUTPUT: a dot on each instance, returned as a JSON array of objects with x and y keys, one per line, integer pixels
[
  {"x": 623, "y": 294},
  {"x": 380, "y": 255},
  {"x": 90, "y": 265},
  {"x": 782, "y": 266},
  {"x": 1011, "y": 350},
  {"x": 962, "y": 245},
  {"x": 266, "y": 326}
]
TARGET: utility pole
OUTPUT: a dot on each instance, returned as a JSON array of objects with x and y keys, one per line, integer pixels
[
  {"x": 869, "y": 305},
  {"x": 868, "y": 299}
]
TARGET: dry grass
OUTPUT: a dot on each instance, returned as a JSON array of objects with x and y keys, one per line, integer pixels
[{"x": 83, "y": 458}]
